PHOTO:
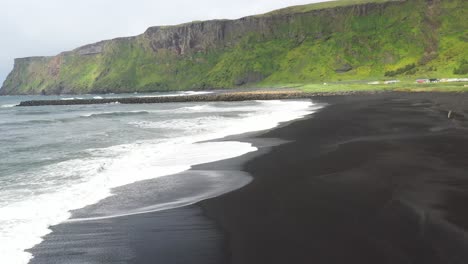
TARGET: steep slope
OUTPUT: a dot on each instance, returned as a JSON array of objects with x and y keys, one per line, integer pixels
[{"x": 342, "y": 40}]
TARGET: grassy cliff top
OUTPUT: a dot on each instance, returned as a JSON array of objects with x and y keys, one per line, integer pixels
[
  {"x": 291, "y": 10},
  {"x": 323, "y": 5}
]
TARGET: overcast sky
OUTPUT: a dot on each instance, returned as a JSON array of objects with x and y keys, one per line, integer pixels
[{"x": 48, "y": 27}]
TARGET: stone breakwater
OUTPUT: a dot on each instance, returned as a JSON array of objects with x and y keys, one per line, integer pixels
[{"x": 217, "y": 97}]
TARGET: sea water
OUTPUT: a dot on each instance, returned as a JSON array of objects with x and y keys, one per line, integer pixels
[{"x": 55, "y": 159}]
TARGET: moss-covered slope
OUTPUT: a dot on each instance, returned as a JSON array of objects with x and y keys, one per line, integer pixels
[{"x": 342, "y": 40}]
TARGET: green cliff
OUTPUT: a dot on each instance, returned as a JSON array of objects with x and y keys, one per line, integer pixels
[{"x": 342, "y": 40}]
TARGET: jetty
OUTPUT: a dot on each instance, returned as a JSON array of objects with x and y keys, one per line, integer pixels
[{"x": 214, "y": 97}]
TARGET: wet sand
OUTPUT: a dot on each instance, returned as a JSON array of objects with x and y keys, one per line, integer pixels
[{"x": 368, "y": 179}]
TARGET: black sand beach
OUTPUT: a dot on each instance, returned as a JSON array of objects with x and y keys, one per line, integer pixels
[{"x": 369, "y": 179}]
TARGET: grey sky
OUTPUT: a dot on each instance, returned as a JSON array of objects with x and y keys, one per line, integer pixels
[{"x": 47, "y": 27}]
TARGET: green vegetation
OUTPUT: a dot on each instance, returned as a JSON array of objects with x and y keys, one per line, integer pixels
[
  {"x": 405, "y": 86},
  {"x": 337, "y": 42},
  {"x": 408, "y": 69},
  {"x": 462, "y": 69},
  {"x": 318, "y": 6}
]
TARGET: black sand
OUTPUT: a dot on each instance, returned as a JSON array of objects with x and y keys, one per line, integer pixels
[
  {"x": 366, "y": 180},
  {"x": 369, "y": 179}
]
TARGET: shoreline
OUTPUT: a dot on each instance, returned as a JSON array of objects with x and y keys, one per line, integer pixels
[
  {"x": 170, "y": 192},
  {"x": 315, "y": 196}
]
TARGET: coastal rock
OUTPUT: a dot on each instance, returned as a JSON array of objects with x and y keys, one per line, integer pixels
[
  {"x": 293, "y": 45},
  {"x": 345, "y": 68},
  {"x": 91, "y": 49}
]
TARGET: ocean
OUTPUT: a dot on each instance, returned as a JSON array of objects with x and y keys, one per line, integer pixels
[{"x": 56, "y": 159}]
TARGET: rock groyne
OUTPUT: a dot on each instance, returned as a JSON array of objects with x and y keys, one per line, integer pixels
[{"x": 216, "y": 97}]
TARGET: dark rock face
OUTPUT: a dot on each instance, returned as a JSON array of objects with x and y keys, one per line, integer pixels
[
  {"x": 251, "y": 77},
  {"x": 182, "y": 39},
  {"x": 91, "y": 49},
  {"x": 345, "y": 68}
]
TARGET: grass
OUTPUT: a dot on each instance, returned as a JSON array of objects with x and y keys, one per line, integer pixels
[
  {"x": 318, "y": 6},
  {"x": 404, "y": 86}
]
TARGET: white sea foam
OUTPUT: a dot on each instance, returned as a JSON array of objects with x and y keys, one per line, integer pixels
[
  {"x": 186, "y": 93},
  {"x": 177, "y": 94},
  {"x": 197, "y": 108},
  {"x": 114, "y": 113},
  {"x": 7, "y": 105},
  {"x": 196, "y": 92},
  {"x": 71, "y": 98},
  {"x": 25, "y": 218},
  {"x": 24, "y": 222}
]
